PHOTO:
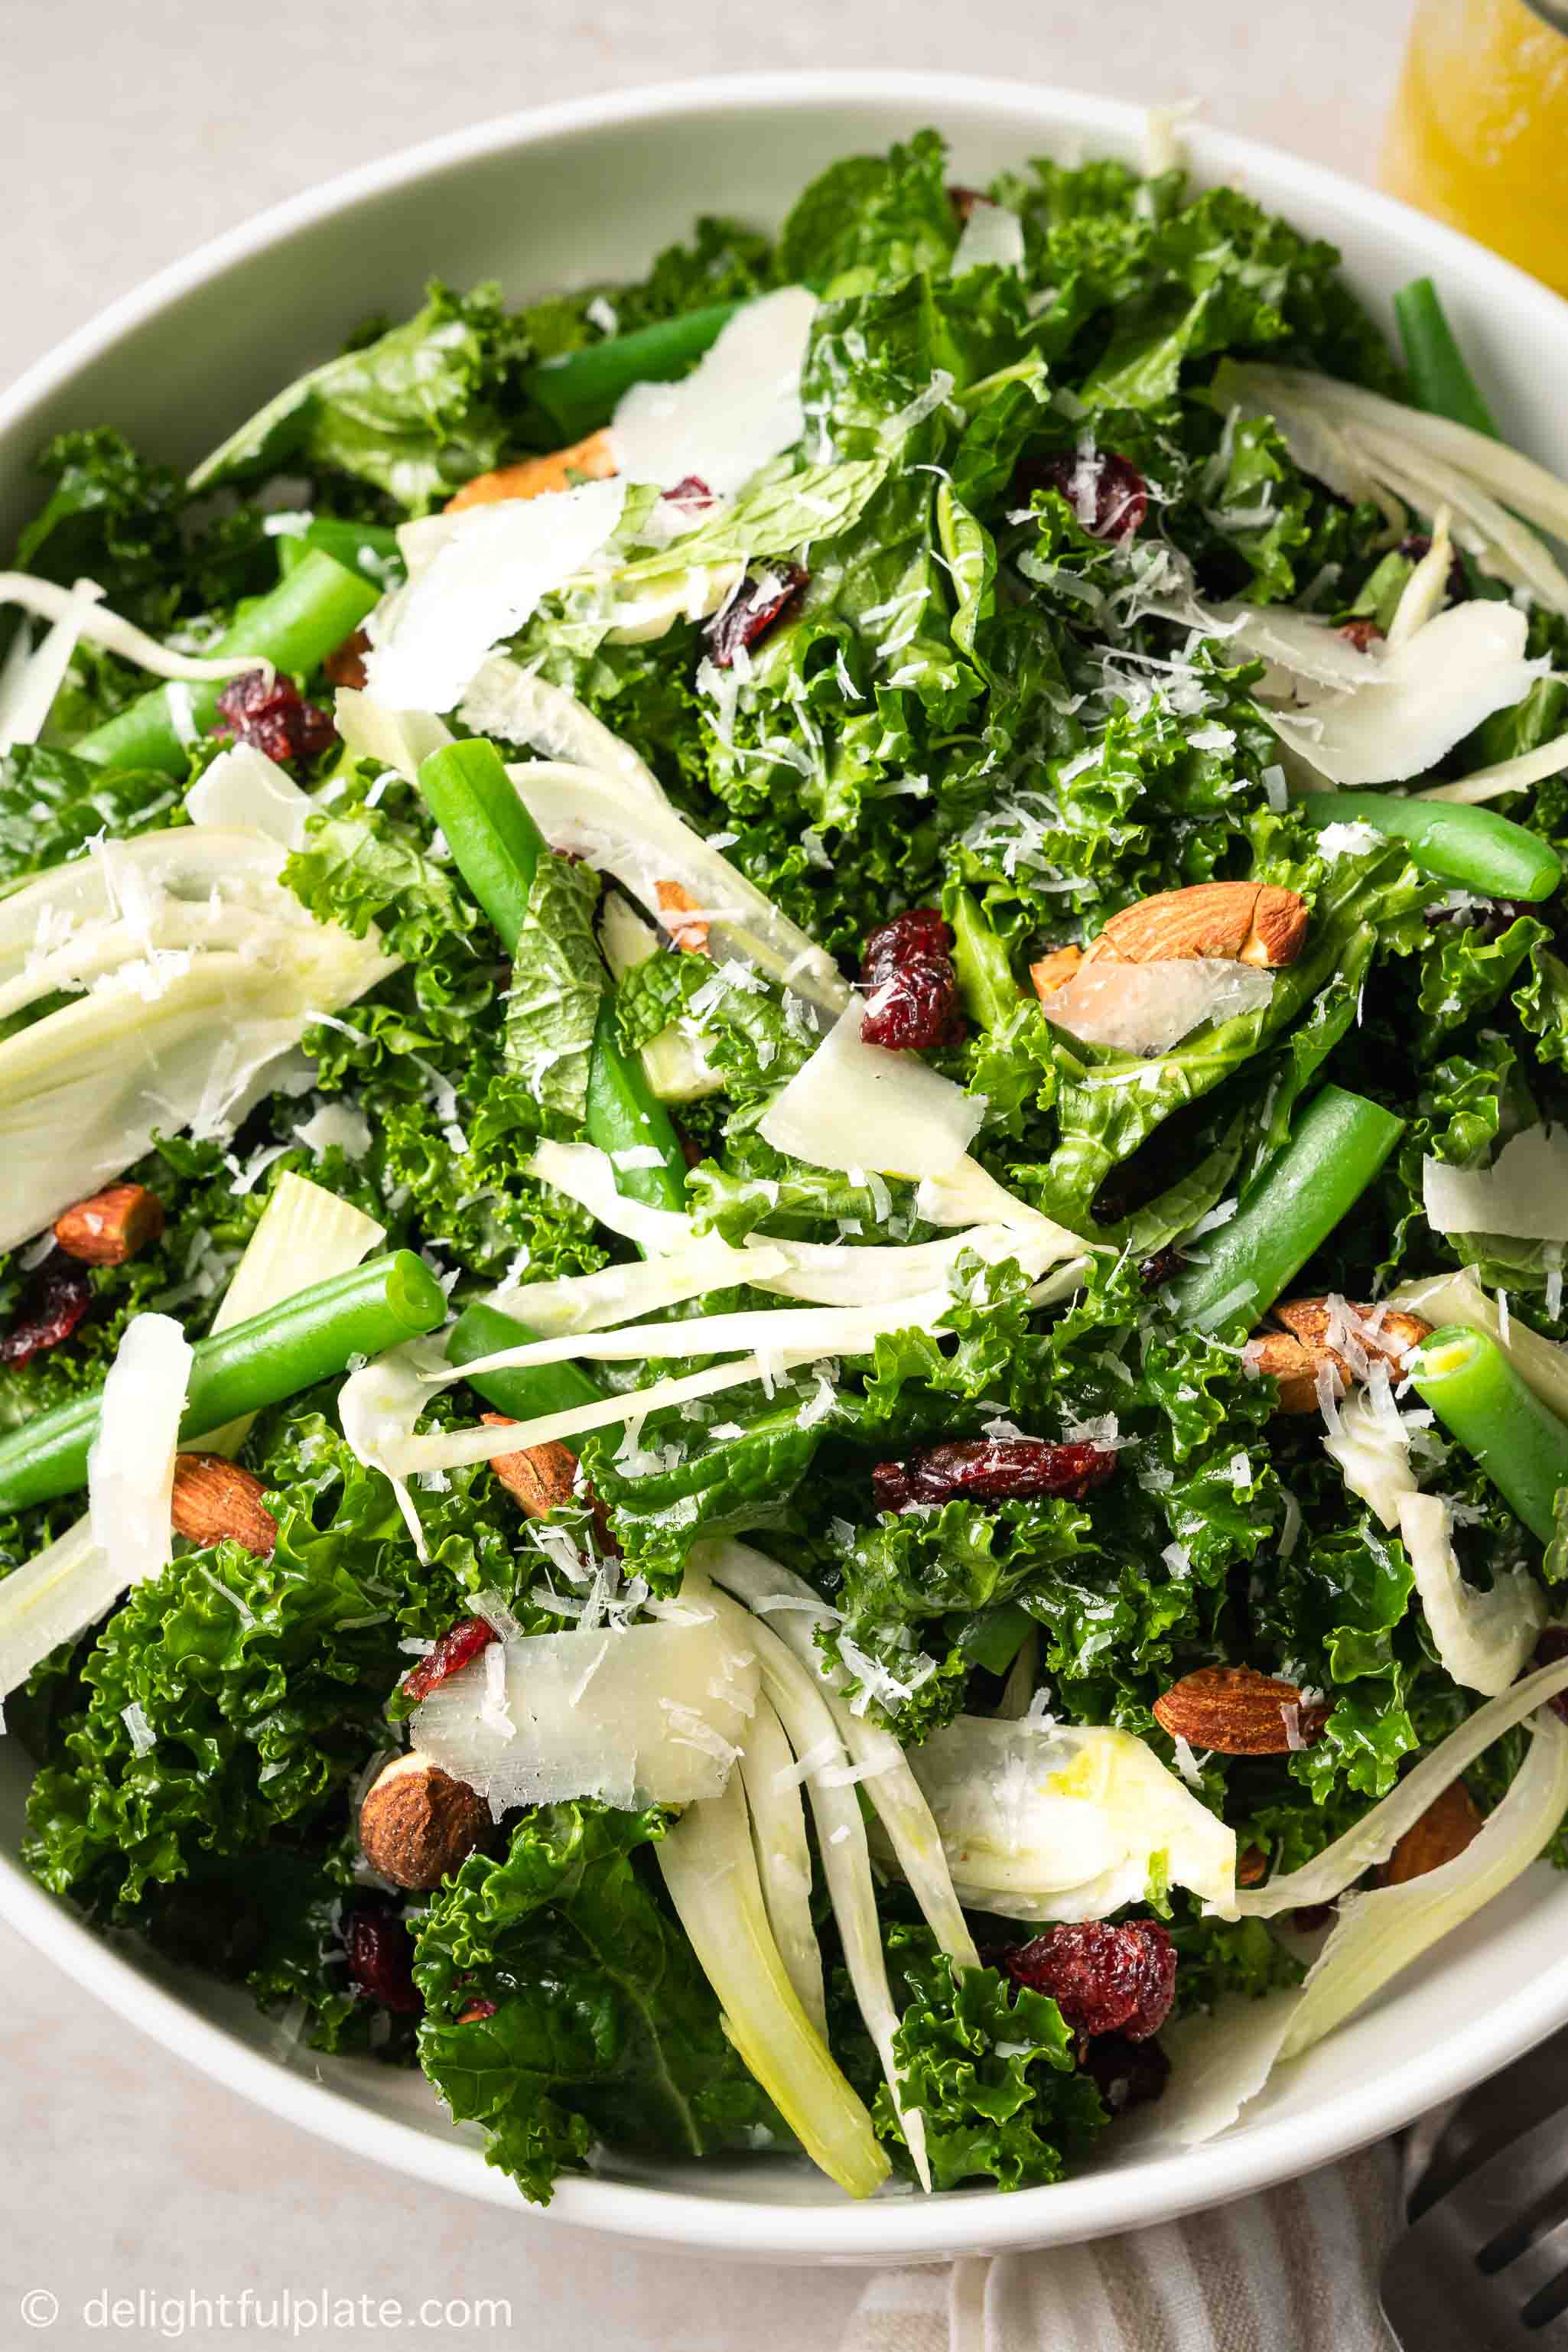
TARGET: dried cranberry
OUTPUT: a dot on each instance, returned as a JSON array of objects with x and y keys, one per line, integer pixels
[
  {"x": 906, "y": 967},
  {"x": 457, "y": 1647},
  {"x": 1418, "y": 543},
  {"x": 1104, "y": 1980},
  {"x": 272, "y": 717},
  {"x": 1311, "y": 1919},
  {"x": 1125, "y": 2072},
  {"x": 757, "y": 603},
  {"x": 691, "y": 492},
  {"x": 1107, "y": 493},
  {"x": 52, "y": 1306},
  {"x": 381, "y": 1957},
  {"x": 477, "y": 2011},
  {"x": 1549, "y": 1651},
  {"x": 1163, "y": 1266},
  {"x": 991, "y": 1469},
  {"x": 1361, "y": 634}
]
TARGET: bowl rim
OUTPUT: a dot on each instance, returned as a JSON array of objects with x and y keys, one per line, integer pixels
[{"x": 1157, "y": 2187}]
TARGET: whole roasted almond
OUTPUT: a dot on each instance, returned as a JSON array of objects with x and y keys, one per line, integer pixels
[
  {"x": 1295, "y": 1356},
  {"x": 417, "y": 1824},
  {"x": 1055, "y": 970},
  {"x": 111, "y": 1225},
  {"x": 1238, "y": 922},
  {"x": 676, "y": 902},
  {"x": 594, "y": 458},
  {"x": 1443, "y": 1832},
  {"x": 1236, "y": 1711},
  {"x": 1251, "y": 1866},
  {"x": 345, "y": 665},
  {"x": 541, "y": 1478},
  {"x": 214, "y": 1498}
]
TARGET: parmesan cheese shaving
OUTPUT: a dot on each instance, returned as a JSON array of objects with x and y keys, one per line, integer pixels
[
  {"x": 130, "y": 1463},
  {"x": 520, "y": 706},
  {"x": 1524, "y": 1193},
  {"x": 244, "y": 790},
  {"x": 1147, "y": 1008},
  {"x": 993, "y": 238},
  {"x": 859, "y": 1106},
  {"x": 739, "y": 406}
]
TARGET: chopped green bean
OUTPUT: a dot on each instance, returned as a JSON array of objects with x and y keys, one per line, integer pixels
[
  {"x": 579, "y": 392},
  {"x": 1289, "y": 1209},
  {"x": 368, "y": 547},
  {"x": 295, "y": 626},
  {"x": 1439, "y": 377},
  {"x": 494, "y": 841},
  {"x": 523, "y": 1391},
  {"x": 625, "y": 1115},
  {"x": 1484, "y": 1405},
  {"x": 271, "y": 1355},
  {"x": 1473, "y": 846}
]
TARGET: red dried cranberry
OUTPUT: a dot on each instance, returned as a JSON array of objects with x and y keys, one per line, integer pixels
[
  {"x": 1311, "y": 1919},
  {"x": 52, "y": 1306},
  {"x": 273, "y": 717},
  {"x": 1163, "y": 1266},
  {"x": 991, "y": 1469},
  {"x": 691, "y": 492},
  {"x": 1107, "y": 493},
  {"x": 457, "y": 1647},
  {"x": 1361, "y": 634},
  {"x": 381, "y": 1957},
  {"x": 1104, "y": 1980},
  {"x": 906, "y": 967},
  {"x": 1418, "y": 543},
  {"x": 1126, "y": 2074},
  {"x": 1549, "y": 1651},
  {"x": 757, "y": 603},
  {"x": 477, "y": 2011}
]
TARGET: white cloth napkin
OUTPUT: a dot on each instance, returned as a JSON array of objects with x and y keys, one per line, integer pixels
[{"x": 1294, "y": 2269}]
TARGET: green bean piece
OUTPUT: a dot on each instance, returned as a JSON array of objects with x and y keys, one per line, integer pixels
[
  {"x": 1487, "y": 1407},
  {"x": 294, "y": 626},
  {"x": 578, "y": 393},
  {"x": 1291, "y": 1206},
  {"x": 368, "y": 547},
  {"x": 493, "y": 839},
  {"x": 625, "y": 1113},
  {"x": 1474, "y": 846},
  {"x": 522, "y": 1390},
  {"x": 272, "y": 1356},
  {"x": 986, "y": 981},
  {"x": 1442, "y": 381}
]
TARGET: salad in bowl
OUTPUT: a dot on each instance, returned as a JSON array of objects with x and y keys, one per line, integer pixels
[{"x": 782, "y": 1343}]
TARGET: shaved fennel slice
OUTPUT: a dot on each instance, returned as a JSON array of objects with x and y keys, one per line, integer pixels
[
  {"x": 1295, "y": 642},
  {"x": 244, "y": 791},
  {"x": 839, "y": 1274},
  {"x": 378, "y": 1406},
  {"x": 1147, "y": 1008},
  {"x": 859, "y": 1106},
  {"x": 400, "y": 740},
  {"x": 739, "y": 406},
  {"x": 630, "y": 1715},
  {"x": 812, "y": 1732},
  {"x": 590, "y": 1302},
  {"x": 304, "y": 1236},
  {"x": 587, "y": 1175},
  {"x": 968, "y": 1194},
  {"x": 711, "y": 1876},
  {"x": 1047, "y": 1821},
  {"x": 1375, "y": 1836},
  {"x": 1426, "y": 592},
  {"x": 890, "y": 1784},
  {"x": 771, "y": 1779},
  {"x": 50, "y": 602},
  {"x": 1381, "y": 1933},
  {"x": 1371, "y": 1447},
  {"x": 1459, "y": 1298},
  {"x": 131, "y": 1463},
  {"x": 1483, "y": 1639},
  {"x": 642, "y": 843},
  {"x": 1515, "y": 775},
  {"x": 32, "y": 695},
  {"x": 1436, "y": 688},
  {"x": 1524, "y": 1193},
  {"x": 520, "y": 706}
]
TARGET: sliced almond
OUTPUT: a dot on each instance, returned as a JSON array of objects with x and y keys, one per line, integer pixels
[
  {"x": 674, "y": 901},
  {"x": 1236, "y": 1711},
  {"x": 1296, "y": 1355},
  {"x": 1243, "y": 922},
  {"x": 214, "y": 1498},
  {"x": 1444, "y": 1830},
  {"x": 592, "y": 459},
  {"x": 111, "y": 1226},
  {"x": 1054, "y": 971}
]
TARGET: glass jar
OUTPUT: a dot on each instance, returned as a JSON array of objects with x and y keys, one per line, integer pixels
[{"x": 1478, "y": 134}]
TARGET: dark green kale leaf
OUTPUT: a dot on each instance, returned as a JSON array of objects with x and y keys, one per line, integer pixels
[
  {"x": 873, "y": 218},
  {"x": 603, "y": 2027},
  {"x": 52, "y": 805}
]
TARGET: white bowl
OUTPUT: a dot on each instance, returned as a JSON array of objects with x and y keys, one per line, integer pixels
[{"x": 589, "y": 190}]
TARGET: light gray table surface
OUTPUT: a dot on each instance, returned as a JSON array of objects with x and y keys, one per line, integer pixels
[{"x": 132, "y": 134}]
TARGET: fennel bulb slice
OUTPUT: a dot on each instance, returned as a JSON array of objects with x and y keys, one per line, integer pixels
[
  {"x": 1483, "y": 1639},
  {"x": 771, "y": 1777},
  {"x": 859, "y": 1106}
]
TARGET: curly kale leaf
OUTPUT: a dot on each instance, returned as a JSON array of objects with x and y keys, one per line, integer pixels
[
  {"x": 52, "y": 805},
  {"x": 604, "y": 2028}
]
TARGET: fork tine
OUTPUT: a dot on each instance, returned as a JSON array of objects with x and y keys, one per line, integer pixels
[
  {"x": 1538, "y": 2265},
  {"x": 1507, "y": 2186},
  {"x": 1435, "y": 2294}
]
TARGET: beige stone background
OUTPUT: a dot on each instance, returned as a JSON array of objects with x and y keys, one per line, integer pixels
[{"x": 131, "y": 130}]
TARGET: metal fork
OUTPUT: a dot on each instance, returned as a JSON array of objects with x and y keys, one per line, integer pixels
[{"x": 1484, "y": 2265}]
